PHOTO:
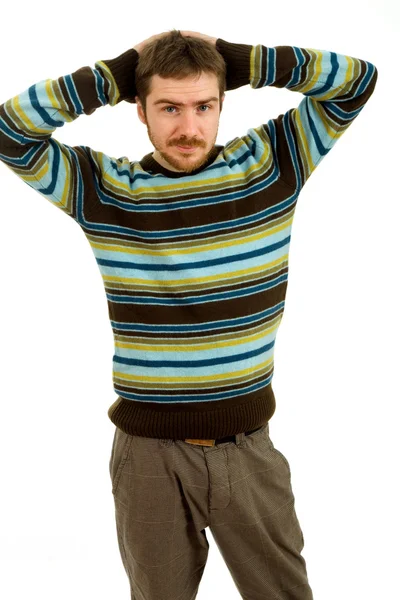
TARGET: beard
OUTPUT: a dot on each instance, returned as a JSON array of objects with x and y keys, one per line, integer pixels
[{"x": 186, "y": 163}]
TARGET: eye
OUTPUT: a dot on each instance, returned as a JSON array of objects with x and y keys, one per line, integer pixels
[{"x": 200, "y": 105}]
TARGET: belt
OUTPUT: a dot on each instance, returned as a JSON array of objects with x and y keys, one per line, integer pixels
[{"x": 228, "y": 438}]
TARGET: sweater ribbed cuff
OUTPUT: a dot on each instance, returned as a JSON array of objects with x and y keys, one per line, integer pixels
[
  {"x": 237, "y": 59},
  {"x": 123, "y": 69}
]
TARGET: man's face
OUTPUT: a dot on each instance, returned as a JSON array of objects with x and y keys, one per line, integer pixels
[{"x": 182, "y": 112}]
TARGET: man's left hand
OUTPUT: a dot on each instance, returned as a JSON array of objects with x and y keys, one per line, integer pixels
[{"x": 207, "y": 38}]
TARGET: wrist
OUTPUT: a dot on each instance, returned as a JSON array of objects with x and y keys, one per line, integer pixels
[{"x": 122, "y": 69}]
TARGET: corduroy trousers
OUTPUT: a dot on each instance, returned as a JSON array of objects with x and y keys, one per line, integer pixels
[{"x": 167, "y": 492}]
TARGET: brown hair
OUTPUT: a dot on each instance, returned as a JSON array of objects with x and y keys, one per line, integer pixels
[{"x": 178, "y": 56}]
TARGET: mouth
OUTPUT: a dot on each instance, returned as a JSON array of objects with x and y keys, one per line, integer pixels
[{"x": 186, "y": 149}]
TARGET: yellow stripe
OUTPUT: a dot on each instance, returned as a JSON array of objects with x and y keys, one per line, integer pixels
[
  {"x": 252, "y": 63},
  {"x": 64, "y": 195},
  {"x": 30, "y": 126},
  {"x": 340, "y": 90},
  {"x": 201, "y": 346},
  {"x": 317, "y": 71},
  {"x": 41, "y": 173},
  {"x": 50, "y": 93},
  {"x": 114, "y": 92},
  {"x": 299, "y": 126}
]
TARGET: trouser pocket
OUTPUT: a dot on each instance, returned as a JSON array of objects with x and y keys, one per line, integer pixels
[{"x": 119, "y": 455}]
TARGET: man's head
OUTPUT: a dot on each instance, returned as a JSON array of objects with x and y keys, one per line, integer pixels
[{"x": 180, "y": 82}]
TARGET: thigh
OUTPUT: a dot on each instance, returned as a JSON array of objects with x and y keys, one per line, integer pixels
[
  {"x": 258, "y": 533},
  {"x": 163, "y": 549}
]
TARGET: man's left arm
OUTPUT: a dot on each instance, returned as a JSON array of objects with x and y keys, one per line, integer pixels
[{"x": 336, "y": 88}]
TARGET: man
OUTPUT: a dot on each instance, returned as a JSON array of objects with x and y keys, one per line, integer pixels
[{"x": 192, "y": 243}]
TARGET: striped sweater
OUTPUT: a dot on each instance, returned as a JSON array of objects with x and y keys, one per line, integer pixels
[{"x": 195, "y": 266}]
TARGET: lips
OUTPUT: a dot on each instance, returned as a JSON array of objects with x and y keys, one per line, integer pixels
[{"x": 186, "y": 148}]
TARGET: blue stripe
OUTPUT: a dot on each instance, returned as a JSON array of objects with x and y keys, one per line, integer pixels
[
  {"x": 206, "y": 362},
  {"x": 223, "y": 260}
]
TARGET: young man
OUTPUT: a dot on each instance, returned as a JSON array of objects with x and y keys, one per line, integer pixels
[{"x": 192, "y": 243}]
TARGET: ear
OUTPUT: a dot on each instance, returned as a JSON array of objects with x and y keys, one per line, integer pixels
[{"x": 140, "y": 111}]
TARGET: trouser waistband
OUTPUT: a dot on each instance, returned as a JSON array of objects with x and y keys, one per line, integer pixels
[{"x": 228, "y": 438}]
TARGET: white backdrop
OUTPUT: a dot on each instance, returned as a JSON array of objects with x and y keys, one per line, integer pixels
[{"x": 337, "y": 350}]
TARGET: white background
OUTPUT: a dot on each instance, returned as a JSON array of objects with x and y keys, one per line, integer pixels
[{"x": 337, "y": 350}]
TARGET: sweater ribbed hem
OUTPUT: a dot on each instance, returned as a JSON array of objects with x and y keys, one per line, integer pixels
[{"x": 187, "y": 421}]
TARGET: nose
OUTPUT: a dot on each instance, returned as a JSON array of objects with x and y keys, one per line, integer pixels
[{"x": 188, "y": 126}]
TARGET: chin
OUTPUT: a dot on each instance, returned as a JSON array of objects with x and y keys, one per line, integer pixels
[{"x": 188, "y": 161}]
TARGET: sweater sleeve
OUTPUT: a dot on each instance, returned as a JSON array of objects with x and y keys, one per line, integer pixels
[
  {"x": 336, "y": 88},
  {"x": 55, "y": 170}
]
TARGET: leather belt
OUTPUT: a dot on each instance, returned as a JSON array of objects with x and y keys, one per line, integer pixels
[{"x": 228, "y": 438}]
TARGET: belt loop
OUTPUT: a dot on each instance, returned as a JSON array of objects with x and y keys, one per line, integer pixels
[{"x": 240, "y": 439}]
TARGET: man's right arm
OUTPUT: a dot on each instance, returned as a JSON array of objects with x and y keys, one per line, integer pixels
[{"x": 28, "y": 120}]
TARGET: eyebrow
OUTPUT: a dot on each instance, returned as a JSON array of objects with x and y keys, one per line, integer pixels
[{"x": 166, "y": 101}]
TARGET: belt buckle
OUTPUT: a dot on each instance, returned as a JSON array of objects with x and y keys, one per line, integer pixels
[{"x": 201, "y": 442}]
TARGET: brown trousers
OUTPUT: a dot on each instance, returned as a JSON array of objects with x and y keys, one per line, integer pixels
[{"x": 166, "y": 493}]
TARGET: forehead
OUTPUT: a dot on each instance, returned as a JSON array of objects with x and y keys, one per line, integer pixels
[{"x": 184, "y": 91}]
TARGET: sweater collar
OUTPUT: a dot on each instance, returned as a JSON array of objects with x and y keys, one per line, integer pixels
[{"x": 148, "y": 163}]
